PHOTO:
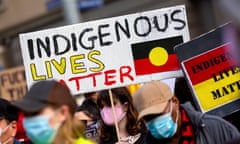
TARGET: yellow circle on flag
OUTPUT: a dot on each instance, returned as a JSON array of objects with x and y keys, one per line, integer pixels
[{"x": 158, "y": 56}]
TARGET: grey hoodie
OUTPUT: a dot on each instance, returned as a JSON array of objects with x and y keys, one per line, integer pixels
[{"x": 210, "y": 129}]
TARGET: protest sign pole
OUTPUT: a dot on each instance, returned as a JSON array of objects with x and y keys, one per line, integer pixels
[{"x": 114, "y": 115}]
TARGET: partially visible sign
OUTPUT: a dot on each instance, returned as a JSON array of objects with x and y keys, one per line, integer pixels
[
  {"x": 107, "y": 53},
  {"x": 89, "y": 4},
  {"x": 13, "y": 84},
  {"x": 80, "y": 4},
  {"x": 211, "y": 65},
  {"x": 133, "y": 88}
]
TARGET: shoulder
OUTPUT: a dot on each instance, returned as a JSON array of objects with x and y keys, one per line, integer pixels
[
  {"x": 16, "y": 142},
  {"x": 143, "y": 137},
  {"x": 219, "y": 123},
  {"x": 151, "y": 140},
  {"x": 82, "y": 140},
  {"x": 200, "y": 119},
  {"x": 210, "y": 124},
  {"x": 111, "y": 141}
]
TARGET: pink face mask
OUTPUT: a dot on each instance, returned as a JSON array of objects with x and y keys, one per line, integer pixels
[{"x": 107, "y": 114}]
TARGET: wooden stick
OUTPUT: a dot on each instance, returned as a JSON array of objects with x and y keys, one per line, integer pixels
[{"x": 114, "y": 115}]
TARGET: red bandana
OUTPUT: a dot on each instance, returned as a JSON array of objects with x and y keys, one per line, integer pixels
[{"x": 187, "y": 134}]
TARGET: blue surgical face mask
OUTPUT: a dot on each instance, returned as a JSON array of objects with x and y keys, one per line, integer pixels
[
  {"x": 38, "y": 129},
  {"x": 163, "y": 126}
]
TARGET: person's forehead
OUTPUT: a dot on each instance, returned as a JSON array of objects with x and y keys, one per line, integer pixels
[
  {"x": 3, "y": 122},
  {"x": 152, "y": 116},
  {"x": 47, "y": 108},
  {"x": 82, "y": 116},
  {"x": 115, "y": 100},
  {"x": 44, "y": 111}
]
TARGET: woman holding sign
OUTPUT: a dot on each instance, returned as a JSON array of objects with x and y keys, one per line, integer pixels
[{"x": 130, "y": 130}]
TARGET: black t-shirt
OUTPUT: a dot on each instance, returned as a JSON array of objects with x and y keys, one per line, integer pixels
[
  {"x": 151, "y": 140},
  {"x": 141, "y": 139}
]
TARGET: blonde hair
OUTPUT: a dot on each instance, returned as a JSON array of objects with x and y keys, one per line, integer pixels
[{"x": 71, "y": 130}]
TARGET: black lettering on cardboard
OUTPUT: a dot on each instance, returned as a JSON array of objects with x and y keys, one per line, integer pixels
[
  {"x": 156, "y": 23},
  {"x": 61, "y": 38},
  {"x": 102, "y": 35},
  {"x": 45, "y": 45},
  {"x": 124, "y": 29},
  {"x": 91, "y": 39},
  {"x": 137, "y": 21},
  {"x": 182, "y": 22},
  {"x": 30, "y": 49},
  {"x": 74, "y": 42}
]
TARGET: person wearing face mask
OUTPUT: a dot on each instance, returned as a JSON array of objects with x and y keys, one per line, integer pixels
[
  {"x": 49, "y": 114},
  {"x": 131, "y": 131},
  {"x": 168, "y": 122},
  {"x": 88, "y": 113},
  {"x": 8, "y": 122}
]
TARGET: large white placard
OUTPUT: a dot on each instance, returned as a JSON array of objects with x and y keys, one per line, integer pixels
[{"x": 102, "y": 54}]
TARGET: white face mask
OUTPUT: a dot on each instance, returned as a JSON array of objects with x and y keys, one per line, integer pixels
[{"x": 1, "y": 132}]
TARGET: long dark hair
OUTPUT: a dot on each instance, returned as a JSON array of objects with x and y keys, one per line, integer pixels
[
  {"x": 90, "y": 108},
  {"x": 124, "y": 96}
]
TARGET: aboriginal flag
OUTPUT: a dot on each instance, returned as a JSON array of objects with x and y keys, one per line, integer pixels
[{"x": 156, "y": 56}]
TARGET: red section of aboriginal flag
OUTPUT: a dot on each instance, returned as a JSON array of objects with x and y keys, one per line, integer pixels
[
  {"x": 141, "y": 51},
  {"x": 202, "y": 67},
  {"x": 144, "y": 66}
]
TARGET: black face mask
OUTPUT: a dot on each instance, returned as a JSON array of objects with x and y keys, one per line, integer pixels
[{"x": 91, "y": 130}]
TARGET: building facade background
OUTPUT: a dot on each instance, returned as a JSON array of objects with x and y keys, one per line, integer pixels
[{"x": 27, "y": 15}]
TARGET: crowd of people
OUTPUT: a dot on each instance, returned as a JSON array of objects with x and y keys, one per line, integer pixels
[{"x": 49, "y": 114}]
